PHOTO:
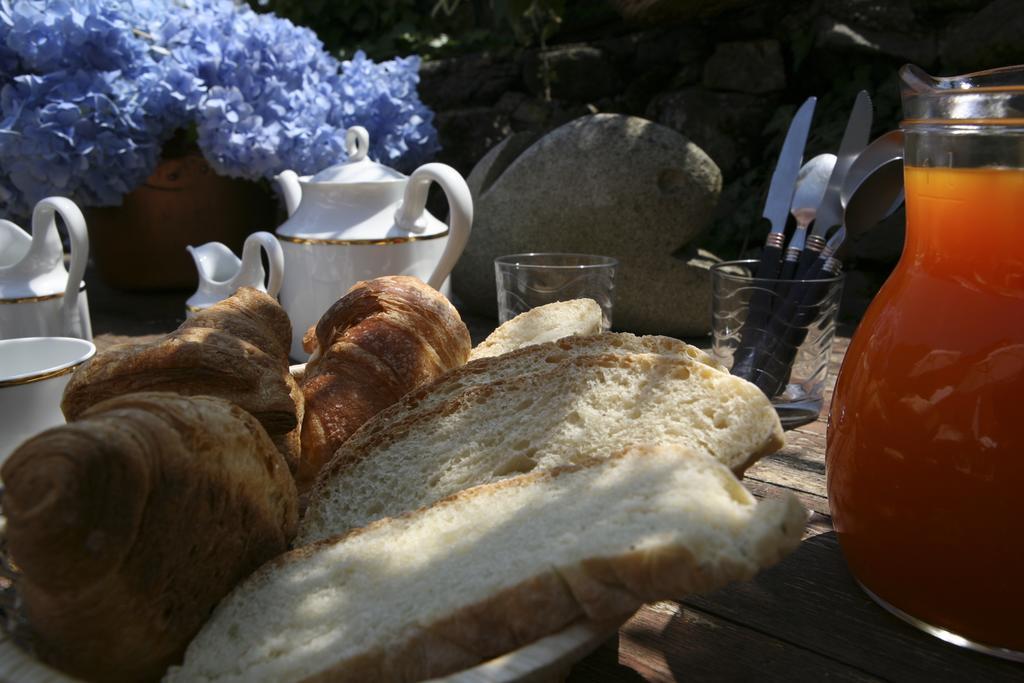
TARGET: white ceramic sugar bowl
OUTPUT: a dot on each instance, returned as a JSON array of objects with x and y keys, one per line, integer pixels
[
  {"x": 38, "y": 296},
  {"x": 360, "y": 220}
]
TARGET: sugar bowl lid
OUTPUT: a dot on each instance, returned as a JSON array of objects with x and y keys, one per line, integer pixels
[{"x": 359, "y": 168}]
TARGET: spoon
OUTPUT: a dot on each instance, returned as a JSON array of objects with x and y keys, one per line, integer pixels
[
  {"x": 811, "y": 183},
  {"x": 886, "y": 149},
  {"x": 873, "y": 188},
  {"x": 876, "y": 198}
]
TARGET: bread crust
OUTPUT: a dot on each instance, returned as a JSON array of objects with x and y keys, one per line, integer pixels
[{"x": 130, "y": 524}]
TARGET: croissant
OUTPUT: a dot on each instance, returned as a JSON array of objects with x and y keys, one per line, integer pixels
[
  {"x": 250, "y": 315},
  {"x": 382, "y": 339},
  {"x": 236, "y": 349},
  {"x": 130, "y": 524}
]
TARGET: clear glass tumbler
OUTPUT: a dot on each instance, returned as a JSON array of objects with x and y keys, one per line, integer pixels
[
  {"x": 789, "y": 360},
  {"x": 525, "y": 281}
]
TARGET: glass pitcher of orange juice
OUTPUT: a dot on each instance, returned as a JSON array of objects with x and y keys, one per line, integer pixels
[{"x": 925, "y": 455}]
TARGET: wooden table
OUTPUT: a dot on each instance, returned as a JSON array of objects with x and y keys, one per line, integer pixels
[{"x": 802, "y": 620}]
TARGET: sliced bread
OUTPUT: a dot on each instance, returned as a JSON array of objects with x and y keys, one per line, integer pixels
[
  {"x": 579, "y": 407},
  {"x": 535, "y": 358},
  {"x": 542, "y": 324},
  {"x": 493, "y": 568}
]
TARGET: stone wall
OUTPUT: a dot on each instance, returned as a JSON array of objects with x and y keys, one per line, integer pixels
[{"x": 728, "y": 75}]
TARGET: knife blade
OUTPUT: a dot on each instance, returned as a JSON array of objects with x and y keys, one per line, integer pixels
[
  {"x": 782, "y": 186},
  {"x": 830, "y": 212}
]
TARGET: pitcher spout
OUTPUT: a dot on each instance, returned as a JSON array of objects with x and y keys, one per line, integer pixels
[
  {"x": 14, "y": 243},
  {"x": 982, "y": 97},
  {"x": 216, "y": 263}
]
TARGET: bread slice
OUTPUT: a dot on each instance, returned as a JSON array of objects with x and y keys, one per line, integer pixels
[
  {"x": 493, "y": 568},
  {"x": 534, "y": 358},
  {"x": 581, "y": 406},
  {"x": 544, "y": 323}
]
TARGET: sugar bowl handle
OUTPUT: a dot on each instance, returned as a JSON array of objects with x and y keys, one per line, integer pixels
[
  {"x": 411, "y": 214},
  {"x": 44, "y": 218}
]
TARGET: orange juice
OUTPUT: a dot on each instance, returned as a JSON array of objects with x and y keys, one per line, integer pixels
[{"x": 925, "y": 457}]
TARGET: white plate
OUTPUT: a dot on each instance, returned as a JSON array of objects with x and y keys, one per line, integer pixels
[{"x": 547, "y": 659}]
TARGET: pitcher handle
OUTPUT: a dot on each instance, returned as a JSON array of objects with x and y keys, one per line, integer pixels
[
  {"x": 275, "y": 259},
  {"x": 43, "y": 218},
  {"x": 410, "y": 215}
]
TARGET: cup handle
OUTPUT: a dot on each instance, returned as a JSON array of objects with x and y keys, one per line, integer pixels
[
  {"x": 44, "y": 218},
  {"x": 410, "y": 215}
]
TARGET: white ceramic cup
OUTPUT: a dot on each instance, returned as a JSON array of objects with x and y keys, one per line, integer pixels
[{"x": 33, "y": 374}]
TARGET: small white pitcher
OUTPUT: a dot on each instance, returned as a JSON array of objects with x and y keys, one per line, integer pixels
[
  {"x": 221, "y": 273},
  {"x": 38, "y": 297}
]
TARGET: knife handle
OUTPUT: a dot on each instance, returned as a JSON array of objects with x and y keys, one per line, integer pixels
[
  {"x": 789, "y": 262},
  {"x": 787, "y": 330},
  {"x": 771, "y": 256},
  {"x": 759, "y": 306}
]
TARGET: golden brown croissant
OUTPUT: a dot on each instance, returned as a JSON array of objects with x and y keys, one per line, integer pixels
[
  {"x": 130, "y": 524},
  {"x": 251, "y": 315},
  {"x": 236, "y": 349},
  {"x": 382, "y": 339}
]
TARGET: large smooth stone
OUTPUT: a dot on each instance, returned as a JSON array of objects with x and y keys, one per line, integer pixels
[{"x": 603, "y": 184}]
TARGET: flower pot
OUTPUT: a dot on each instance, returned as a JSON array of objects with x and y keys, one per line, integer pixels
[{"x": 140, "y": 245}]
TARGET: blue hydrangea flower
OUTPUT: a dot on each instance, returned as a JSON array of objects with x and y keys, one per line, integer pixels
[
  {"x": 91, "y": 89},
  {"x": 382, "y": 98}
]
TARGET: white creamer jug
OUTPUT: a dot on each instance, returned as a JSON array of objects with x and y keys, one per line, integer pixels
[{"x": 221, "y": 273}]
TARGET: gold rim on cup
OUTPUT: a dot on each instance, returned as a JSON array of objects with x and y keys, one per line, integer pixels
[{"x": 39, "y": 376}]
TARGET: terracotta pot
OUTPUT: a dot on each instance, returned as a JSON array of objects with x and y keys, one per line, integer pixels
[{"x": 140, "y": 245}]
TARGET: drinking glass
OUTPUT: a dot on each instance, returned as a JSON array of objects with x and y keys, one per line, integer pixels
[
  {"x": 790, "y": 360},
  {"x": 525, "y": 281}
]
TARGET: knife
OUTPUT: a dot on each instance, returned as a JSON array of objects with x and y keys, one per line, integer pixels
[
  {"x": 830, "y": 213},
  {"x": 776, "y": 210},
  {"x": 783, "y": 184}
]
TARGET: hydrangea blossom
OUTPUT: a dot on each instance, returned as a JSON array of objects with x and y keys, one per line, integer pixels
[
  {"x": 382, "y": 97},
  {"x": 91, "y": 89}
]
